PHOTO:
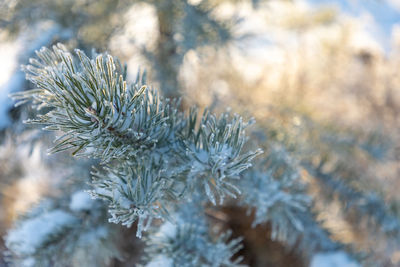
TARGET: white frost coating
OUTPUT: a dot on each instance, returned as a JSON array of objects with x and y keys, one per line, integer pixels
[
  {"x": 34, "y": 233},
  {"x": 333, "y": 259},
  {"x": 91, "y": 237},
  {"x": 224, "y": 153},
  {"x": 202, "y": 155},
  {"x": 29, "y": 262},
  {"x": 168, "y": 229},
  {"x": 81, "y": 201},
  {"x": 160, "y": 261}
]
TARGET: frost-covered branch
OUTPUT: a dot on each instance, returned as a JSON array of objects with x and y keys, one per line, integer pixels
[
  {"x": 156, "y": 155},
  {"x": 190, "y": 242},
  {"x": 274, "y": 191},
  {"x": 64, "y": 232}
]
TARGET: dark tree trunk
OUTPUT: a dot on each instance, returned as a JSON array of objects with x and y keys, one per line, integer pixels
[{"x": 166, "y": 57}]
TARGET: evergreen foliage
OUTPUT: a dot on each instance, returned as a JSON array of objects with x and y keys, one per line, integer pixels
[
  {"x": 154, "y": 157},
  {"x": 163, "y": 169},
  {"x": 329, "y": 157},
  {"x": 274, "y": 191},
  {"x": 189, "y": 242},
  {"x": 67, "y": 231}
]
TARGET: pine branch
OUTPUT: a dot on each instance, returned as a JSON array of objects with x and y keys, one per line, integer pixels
[
  {"x": 64, "y": 232},
  {"x": 156, "y": 155},
  {"x": 274, "y": 191},
  {"x": 369, "y": 206},
  {"x": 189, "y": 242}
]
